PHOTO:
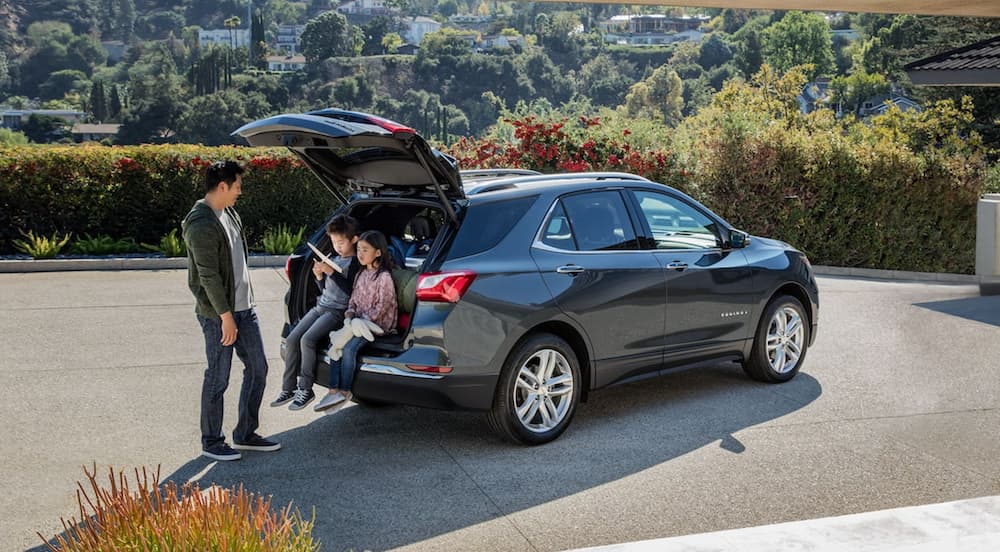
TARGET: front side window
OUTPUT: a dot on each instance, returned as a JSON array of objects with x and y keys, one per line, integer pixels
[
  {"x": 675, "y": 224},
  {"x": 598, "y": 221}
]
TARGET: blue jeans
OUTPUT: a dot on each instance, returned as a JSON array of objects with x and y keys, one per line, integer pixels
[
  {"x": 300, "y": 346},
  {"x": 250, "y": 348},
  {"x": 342, "y": 371}
]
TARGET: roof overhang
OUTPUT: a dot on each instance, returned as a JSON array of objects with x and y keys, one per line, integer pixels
[
  {"x": 976, "y": 8},
  {"x": 973, "y": 65}
]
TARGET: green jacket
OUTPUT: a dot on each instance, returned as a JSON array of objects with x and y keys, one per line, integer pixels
[{"x": 210, "y": 260}]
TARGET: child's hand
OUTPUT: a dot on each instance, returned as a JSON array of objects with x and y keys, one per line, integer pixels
[{"x": 319, "y": 268}]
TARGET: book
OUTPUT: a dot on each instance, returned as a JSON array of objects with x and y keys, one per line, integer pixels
[{"x": 324, "y": 258}]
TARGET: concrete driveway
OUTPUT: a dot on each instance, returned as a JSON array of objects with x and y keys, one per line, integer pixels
[{"x": 898, "y": 405}]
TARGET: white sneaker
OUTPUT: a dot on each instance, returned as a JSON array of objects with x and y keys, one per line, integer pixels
[{"x": 329, "y": 401}]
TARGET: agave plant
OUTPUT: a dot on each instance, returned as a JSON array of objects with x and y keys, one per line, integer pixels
[{"x": 41, "y": 246}]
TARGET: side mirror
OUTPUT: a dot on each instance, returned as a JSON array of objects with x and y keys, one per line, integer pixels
[{"x": 738, "y": 239}]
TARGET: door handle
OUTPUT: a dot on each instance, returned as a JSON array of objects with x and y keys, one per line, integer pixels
[
  {"x": 570, "y": 269},
  {"x": 677, "y": 265}
]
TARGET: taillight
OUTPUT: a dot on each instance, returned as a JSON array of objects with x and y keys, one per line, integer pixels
[
  {"x": 288, "y": 268},
  {"x": 444, "y": 287}
]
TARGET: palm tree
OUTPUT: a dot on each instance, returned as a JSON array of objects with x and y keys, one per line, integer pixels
[{"x": 232, "y": 24}]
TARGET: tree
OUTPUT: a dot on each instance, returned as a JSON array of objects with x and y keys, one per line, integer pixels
[
  {"x": 375, "y": 30},
  {"x": 391, "y": 42},
  {"x": 12, "y": 137},
  {"x": 447, "y": 8},
  {"x": 114, "y": 103},
  {"x": 799, "y": 39},
  {"x": 98, "y": 102},
  {"x": 258, "y": 44},
  {"x": 211, "y": 118},
  {"x": 661, "y": 95},
  {"x": 81, "y": 15},
  {"x": 714, "y": 52},
  {"x": 330, "y": 35},
  {"x": 4, "y": 73},
  {"x": 43, "y": 129},
  {"x": 850, "y": 92},
  {"x": 84, "y": 53},
  {"x": 61, "y": 83}
]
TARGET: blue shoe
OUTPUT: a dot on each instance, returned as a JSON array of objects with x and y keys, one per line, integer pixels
[
  {"x": 221, "y": 452},
  {"x": 256, "y": 442}
]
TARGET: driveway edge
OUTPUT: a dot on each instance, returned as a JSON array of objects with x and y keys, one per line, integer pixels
[{"x": 136, "y": 263}]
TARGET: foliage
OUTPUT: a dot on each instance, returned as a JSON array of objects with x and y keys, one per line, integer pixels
[
  {"x": 330, "y": 35},
  {"x": 897, "y": 191},
  {"x": 103, "y": 245},
  {"x": 281, "y": 240},
  {"x": 12, "y": 137},
  {"x": 145, "y": 191},
  {"x": 45, "y": 128},
  {"x": 151, "y": 517},
  {"x": 660, "y": 96},
  {"x": 849, "y": 93},
  {"x": 799, "y": 39},
  {"x": 171, "y": 245},
  {"x": 41, "y": 246}
]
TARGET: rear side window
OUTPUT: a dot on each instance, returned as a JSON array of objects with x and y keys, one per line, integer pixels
[
  {"x": 485, "y": 224},
  {"x": 599, "y": 221}
]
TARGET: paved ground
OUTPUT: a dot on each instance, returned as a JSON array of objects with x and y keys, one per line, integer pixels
[{"x": 899, "y": 405}]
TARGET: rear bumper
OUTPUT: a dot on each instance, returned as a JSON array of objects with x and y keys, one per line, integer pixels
[{"x": 387, "y": 380}]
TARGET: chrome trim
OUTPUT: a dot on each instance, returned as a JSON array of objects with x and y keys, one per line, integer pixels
[{"x": 393, "y": 371}]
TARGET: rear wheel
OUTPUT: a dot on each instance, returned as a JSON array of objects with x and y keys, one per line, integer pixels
[
  {"x": 538, "y": 391},
  {"x": 780, "y": 342}
]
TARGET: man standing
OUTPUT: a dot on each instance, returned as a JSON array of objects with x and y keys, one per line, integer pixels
[{"x": 220, "y": 281}]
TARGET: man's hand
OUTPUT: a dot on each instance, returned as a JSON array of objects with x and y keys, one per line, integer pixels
[{"x": 228, "y": 329}]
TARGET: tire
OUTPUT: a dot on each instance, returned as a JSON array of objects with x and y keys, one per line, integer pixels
[
  {"x": 547, "y": 414},
  {"x": 785, "y": 327}
]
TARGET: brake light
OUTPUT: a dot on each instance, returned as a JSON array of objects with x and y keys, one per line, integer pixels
[
  {"x": 391, "y": 126},
  {"x": 444, "y": 287},
  {"x": 288, "y": 268},
  {"x": 429, "y": 369}
]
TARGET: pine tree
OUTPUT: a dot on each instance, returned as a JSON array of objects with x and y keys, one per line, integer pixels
[
  {"x": 258, "y": 47},
  {"x": 98, "y": 102},
  {"x": 114, "y": 103}
]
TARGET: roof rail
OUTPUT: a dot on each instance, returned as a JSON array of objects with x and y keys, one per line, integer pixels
[
  {"x": 507, "y": 183},
  {"x": 476, "y": 174}
]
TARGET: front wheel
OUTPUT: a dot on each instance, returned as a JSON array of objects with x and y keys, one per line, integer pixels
[
  {"x": 538, "y": 391},
  {"x": 780, "y": 342}
]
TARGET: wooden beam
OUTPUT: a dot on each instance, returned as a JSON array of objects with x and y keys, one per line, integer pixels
[{"x": 975, "y": 8}]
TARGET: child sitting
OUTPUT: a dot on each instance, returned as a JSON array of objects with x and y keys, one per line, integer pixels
[
  {"x": 374, "y": 299},
  {"x": 327, "y": 315}
]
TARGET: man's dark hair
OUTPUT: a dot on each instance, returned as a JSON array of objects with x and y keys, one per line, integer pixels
[
  {"x": 221, "y": 171},
  {"x": 345, "y": 225}
]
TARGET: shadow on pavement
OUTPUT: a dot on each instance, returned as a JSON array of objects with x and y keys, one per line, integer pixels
[
  {"x": 381, "y": 478},
  {"x": 979, "y": 309}
]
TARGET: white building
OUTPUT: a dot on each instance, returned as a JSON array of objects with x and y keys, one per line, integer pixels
[
  {"x": 286, "y": 63},
  {"x": 237, "y": 38},
  {"x": 15, "y": 118},
  {"x": 417, "y": 27},
  {"x": 364, "y": 7},
  {"x": 289, "y": 38}
]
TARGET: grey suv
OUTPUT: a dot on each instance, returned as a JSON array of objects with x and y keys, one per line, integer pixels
[{"x": 522, "y": 292}]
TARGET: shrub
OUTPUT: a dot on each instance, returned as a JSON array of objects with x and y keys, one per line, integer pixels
[
  {"x": 281, "y": 241},
  {"x": 103, "y": 245},
  {"x": 171, "y": 245},
  {"x": 145, "y": 191},
  {"x": 39, "y": 246},
  {"x": 172, "y": 518}
]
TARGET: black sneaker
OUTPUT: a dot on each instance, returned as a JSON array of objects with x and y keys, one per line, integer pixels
[
  {"x": 302, "y": 398},
  {"x": 221, "y": 452},
  {"x": 256, "y": 442},
  {"x": 283, "y": 398}
]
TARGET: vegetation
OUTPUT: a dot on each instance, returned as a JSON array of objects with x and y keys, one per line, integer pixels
[
  {"x": 40, "y": 246},
  {"x": 143, "y": 515},
  {"x": 171, "y": 245},
  {"x": 281, "y": 240},
  {"x": 103, "y": 245}
]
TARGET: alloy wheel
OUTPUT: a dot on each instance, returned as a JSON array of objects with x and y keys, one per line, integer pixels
[{"x": 543, "y": 392}]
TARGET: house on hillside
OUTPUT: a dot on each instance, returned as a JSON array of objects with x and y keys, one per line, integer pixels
[
  {"x": 414, "y": 28},
  {"x": 652, "y": 30},
  {"x": 877, "y": 105},
  {"x": 814, "y": 95},
  {"x": 236, "y": 38},
  {"x": 90, "y": 132},
  {"x": 286, "y": 63},
  {"x": 289, "y": 39},
  {"x": 15, "y": 118}
]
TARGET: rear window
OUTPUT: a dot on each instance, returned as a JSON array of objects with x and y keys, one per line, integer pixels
[{"x": 485, "y": 224}]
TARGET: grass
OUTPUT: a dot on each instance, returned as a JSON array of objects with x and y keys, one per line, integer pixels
[{"x": 171, "y": 518}]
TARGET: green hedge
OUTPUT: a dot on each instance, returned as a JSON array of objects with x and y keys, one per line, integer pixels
[{"x": 143, "y": 192}]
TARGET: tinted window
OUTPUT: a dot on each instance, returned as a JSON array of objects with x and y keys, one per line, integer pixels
[
  {"x": 485, "y": 224},
  {"x": 599, "y": 221},
  {"x": 675, "y": 224},
  {"x": 557, "y": 232}
]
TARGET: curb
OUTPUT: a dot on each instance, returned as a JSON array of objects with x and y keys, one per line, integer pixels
[
  {"x": 131, "y": 263},
  {"x": 942, "y": 277}
]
